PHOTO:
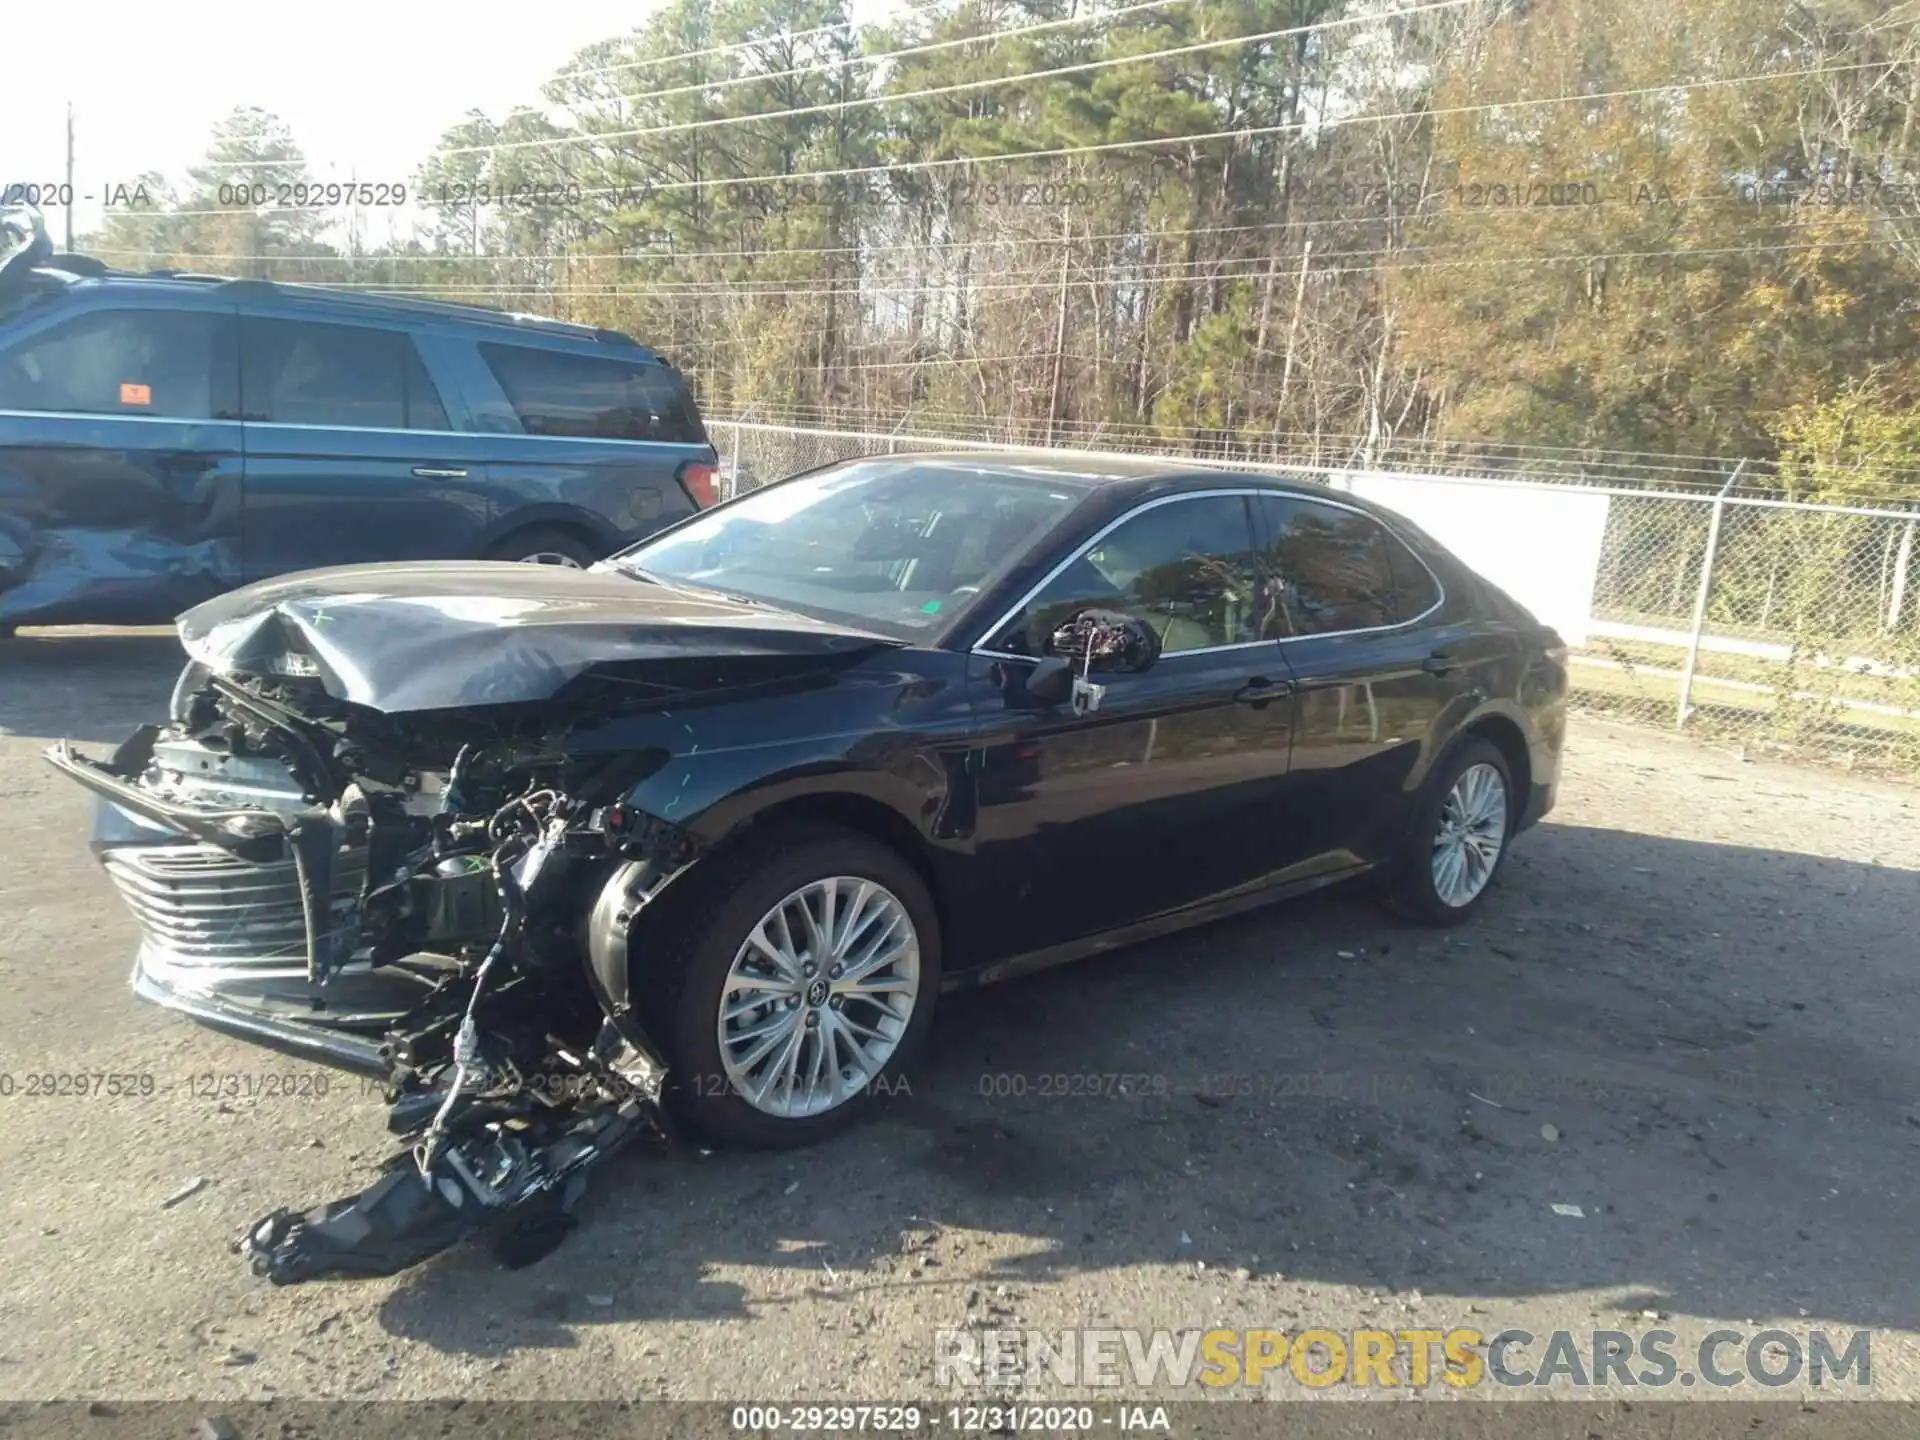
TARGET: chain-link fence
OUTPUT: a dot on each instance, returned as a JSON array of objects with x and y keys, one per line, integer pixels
[{"x": 1774, "y": 626}]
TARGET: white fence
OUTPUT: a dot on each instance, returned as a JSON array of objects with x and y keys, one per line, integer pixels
[{"x": 1766, "y": 623}]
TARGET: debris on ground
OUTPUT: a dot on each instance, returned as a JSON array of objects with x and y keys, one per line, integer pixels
[{"x": 187, "y": 1191}]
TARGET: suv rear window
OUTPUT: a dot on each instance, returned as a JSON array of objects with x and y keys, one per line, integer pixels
[
  {"x": 588, "y": 397},
  {"x": 296, "y": 372}
]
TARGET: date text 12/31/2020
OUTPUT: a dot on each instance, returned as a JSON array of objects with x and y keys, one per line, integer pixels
[{"x": 1376, "y": 197}]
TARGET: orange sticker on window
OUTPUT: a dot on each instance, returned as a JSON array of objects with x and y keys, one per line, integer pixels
[{"x": 135, "y": 394}]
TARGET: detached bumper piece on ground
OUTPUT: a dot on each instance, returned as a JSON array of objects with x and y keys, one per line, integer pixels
[
  {"x": 412, "y": 938},
  {"x": 476, "y": 1163}
]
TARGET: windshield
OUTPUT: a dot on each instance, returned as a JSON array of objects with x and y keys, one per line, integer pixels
[{"x": 894, "y": 546}]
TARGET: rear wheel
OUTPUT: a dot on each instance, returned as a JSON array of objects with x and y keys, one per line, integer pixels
[
  {"x": 545, "y": 545},
  {"x": 1458, "y": 840},
  {"x": 801, "y": 979}
]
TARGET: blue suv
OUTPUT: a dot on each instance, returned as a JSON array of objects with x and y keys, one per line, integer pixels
[{"x": 166, "y": 437}]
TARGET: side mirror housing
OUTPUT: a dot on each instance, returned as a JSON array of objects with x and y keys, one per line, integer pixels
[{"x": 1051, "y": 681}]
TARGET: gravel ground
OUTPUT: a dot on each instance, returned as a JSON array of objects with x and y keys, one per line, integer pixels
[{"x": 1698, "y": 973}]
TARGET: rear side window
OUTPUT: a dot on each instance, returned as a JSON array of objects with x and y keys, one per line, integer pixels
[
  {"x": 594, "y": 398},
  {"x": 1327, "y": 570},
  {"x": 296, "y": 372},
  {"x": 1413, "y": 584},
  {"x": 117, "y": 362}
]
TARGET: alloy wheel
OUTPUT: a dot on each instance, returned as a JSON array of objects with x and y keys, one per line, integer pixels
[
  {"x": 819, "y": 996},
  {"x": 1473, "y": 829},
  {"x": 551, "y": 557}
]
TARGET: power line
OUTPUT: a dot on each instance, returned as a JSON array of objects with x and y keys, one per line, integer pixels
[
  {"x": 1118, "y": 271},
  {"x": 1414, "y": 215},
  {"x": 1117, "y": 146},
  {"x": 880, "y": 56},
  {"x": 1250, "y": 132},
  {"x": 855, "y": 290},
  {"x": 958, "y": 88},
  {"x": 838, "y": 27},
  {"x": 731, "y": 82}
]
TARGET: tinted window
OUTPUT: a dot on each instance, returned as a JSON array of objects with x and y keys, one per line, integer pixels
[
  {"x": 555, "y": 393},
  {"x": 116, "y": 362},
  {"x": 1327, "y": 569},
  {"x": 1185, "y": 567},
  {"x": 1415, "y": 590},
  {"x": 298, "y": 373}
]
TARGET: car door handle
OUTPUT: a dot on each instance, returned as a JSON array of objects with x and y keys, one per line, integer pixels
[
  {"x": 1440, "y": 662},
  {"x": 430, "y": 472},
  {"x": 1259, "y": 690}
]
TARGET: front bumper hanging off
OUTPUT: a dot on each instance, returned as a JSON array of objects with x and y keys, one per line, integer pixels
[
  {"x": 502, "y": 1174},
  {"x": 249, "y": 917}
]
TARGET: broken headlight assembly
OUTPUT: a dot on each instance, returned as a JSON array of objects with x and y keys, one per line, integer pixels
[{"x": 342, "y": 897}]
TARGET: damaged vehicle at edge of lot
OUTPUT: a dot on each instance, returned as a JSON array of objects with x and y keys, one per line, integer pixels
[{"x": 570, "y": 859}]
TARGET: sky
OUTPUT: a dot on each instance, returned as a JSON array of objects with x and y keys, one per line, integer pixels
[{"x": 367, "y": 86}]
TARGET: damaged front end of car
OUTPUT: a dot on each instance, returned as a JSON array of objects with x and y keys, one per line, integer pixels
[
  {"x": 306, "y": 877},
  {"x": 333, "y": 895},
  {"x": 390, "y": 826}
]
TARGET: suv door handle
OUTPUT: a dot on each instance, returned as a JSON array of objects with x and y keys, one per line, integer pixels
[
  {"x": 1440, "y": 662},
  {"x": 429, "y": 472},
  {"x": 185, "y": 462},
  {"x": 1259, "y": 690}
]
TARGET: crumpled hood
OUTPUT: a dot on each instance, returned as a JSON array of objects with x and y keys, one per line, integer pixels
[{"x": 433, "y": 635}]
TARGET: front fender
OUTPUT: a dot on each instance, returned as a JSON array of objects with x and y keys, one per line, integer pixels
[{"x": 713, "y": 796}]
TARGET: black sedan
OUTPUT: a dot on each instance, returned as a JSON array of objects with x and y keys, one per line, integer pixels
[{"x": 705, "y": 831}]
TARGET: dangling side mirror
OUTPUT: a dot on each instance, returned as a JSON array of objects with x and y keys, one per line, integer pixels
[
  {"x": 1089, "y": 642},
  {"x": 1105, "y": 641},
  {"x": 1051, "y": 681}
]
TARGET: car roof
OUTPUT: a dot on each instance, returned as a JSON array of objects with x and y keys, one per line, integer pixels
[
  {"x": 171, "y": 286},
  {"x": 1110, "y": 470}
]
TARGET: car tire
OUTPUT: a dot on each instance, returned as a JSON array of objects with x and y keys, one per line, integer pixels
[
  {"x": 545, "y": 545},
  {"x": 687, "y": 990},
  {"x": 1443, "y": 873}
]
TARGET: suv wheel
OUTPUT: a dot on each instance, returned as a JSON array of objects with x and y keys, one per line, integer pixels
[
  {"x": 797, "y": 987},
  {"x": 1458, "y": 839},
  {"x": 545, "y": 546}
]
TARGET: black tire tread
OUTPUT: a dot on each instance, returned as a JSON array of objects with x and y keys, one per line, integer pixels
[{"x": 543, "y": 537}]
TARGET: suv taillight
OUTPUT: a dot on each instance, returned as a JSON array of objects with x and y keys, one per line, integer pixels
[{"x": 702, "y": 481}]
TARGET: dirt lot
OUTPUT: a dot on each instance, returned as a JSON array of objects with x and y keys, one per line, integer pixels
[{"x": 1699, "y": 973}]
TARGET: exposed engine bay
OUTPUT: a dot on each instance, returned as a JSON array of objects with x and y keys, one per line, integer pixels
[{"x": 440, "y": 900}]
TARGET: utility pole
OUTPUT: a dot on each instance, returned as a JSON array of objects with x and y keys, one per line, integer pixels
[
  {"x": 1059, "y": 326},
  {"x": 69, "y": 190}
]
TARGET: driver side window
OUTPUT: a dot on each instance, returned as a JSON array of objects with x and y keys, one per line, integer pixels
[{"x": 1185, "y": 567}]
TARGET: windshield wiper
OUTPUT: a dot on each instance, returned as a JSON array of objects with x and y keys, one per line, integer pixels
[{"x": 680, "y": 582}]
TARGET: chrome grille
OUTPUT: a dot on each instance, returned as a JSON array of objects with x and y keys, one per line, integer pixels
[{"x": 207, "y": 917}]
